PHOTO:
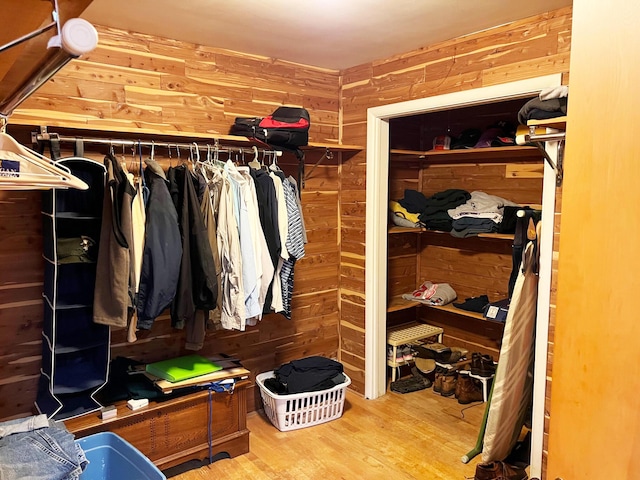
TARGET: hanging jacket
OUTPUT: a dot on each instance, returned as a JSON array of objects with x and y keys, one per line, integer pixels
[
  {"x": 228, "y": 239},
  {"x": 197, "y": 285},
  {"x": 294, "y": 244},
  {"x": 268, "y": 212},
  {"x": 162, "y": 249},
  {"x": 113, "y": 290}
]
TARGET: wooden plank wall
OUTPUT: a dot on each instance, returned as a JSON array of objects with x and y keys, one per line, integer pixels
[
  {"x": 134, "y": 82},
  {"x": 532, "y": 47},
  {"x": 140, "y": 85}
]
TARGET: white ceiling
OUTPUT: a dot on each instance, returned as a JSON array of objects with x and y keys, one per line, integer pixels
[{"x": 333, "y": 34}]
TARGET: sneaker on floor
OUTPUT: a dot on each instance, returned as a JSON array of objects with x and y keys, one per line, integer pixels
[{"x": 407, "y": 355}]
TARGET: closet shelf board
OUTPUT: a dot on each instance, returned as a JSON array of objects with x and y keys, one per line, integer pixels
[
  {"x": 559, "y": 123},
  {"x": 472, "y": 155},
  {"x": 194, "y": 136}
]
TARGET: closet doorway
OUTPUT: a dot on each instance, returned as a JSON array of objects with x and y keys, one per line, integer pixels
[{"x": 376, "y": 234}]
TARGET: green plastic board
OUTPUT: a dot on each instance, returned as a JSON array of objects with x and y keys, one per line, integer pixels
[{"x": 182, "y": 368}]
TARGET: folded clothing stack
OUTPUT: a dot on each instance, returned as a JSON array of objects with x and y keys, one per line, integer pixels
[{"x": 432, "y": 294}]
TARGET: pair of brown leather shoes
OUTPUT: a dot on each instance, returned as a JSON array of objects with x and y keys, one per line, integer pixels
[
  {"x": 499, "y": 471},
  {"x": 468, "y": 390}
]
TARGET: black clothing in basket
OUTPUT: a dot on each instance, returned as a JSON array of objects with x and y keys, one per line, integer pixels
[{"x": 307, "y": 375}]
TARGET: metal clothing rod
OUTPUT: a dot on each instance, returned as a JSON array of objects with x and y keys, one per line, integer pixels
[
  {"x": 26, "y": 37},
  {"x": 44, "y": 73},
  {"x": 544, "y": 137},
  {"x": 75, "y": 38},
  {"x": 40, "y": 137}
]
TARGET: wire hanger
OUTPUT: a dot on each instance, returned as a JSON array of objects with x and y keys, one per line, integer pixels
[{"x": 24, "y": 169}]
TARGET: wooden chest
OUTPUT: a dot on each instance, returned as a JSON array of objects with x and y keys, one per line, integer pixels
[{"x": 175, "y": 431}]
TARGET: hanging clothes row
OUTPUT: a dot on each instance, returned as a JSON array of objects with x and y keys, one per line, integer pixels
[{"x": 215, "y": 242}]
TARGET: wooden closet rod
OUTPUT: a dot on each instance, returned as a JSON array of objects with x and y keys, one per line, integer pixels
[{"x": 42, "y": 137}]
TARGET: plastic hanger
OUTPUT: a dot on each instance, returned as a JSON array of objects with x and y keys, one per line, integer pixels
[
  {"x": 255, "y": 163},
  {"x": 25, "y": 169},
  {"x": 274, "y": 164}
]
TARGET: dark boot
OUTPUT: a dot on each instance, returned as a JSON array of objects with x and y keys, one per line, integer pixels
[
  {"x": 468, "y": 390},
  {"x": 482, "y": 365},
  {"x": 499, "y": 471}
]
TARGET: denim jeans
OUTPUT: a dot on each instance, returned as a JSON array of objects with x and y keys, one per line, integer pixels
[{"x": 36, "y": 449}]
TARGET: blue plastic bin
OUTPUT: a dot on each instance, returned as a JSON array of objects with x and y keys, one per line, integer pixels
[{"x": 112, "y": 457}]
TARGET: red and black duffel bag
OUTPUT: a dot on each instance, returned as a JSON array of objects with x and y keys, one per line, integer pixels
[{"x": 286, "y": 127}]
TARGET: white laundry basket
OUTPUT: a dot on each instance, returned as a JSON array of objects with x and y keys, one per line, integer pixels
[{"x": 300, "y": 410}]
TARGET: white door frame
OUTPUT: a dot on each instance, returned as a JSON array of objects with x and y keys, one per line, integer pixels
[{"x": 376, "y": 230}]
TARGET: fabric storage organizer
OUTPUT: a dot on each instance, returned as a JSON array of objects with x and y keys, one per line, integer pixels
[
  {"x": 75, "y": 350},
  {"x": 300, "y": 410}
]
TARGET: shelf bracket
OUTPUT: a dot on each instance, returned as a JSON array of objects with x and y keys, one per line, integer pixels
[
  {"x": 328, "y": 154},
  {"x": 539, "y": 139}
]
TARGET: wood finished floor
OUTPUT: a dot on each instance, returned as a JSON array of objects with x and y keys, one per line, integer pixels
[{"x": 419, "y": 435}]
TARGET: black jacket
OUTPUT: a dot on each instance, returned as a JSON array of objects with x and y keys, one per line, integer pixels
[
  {"x": 197, "y": 283},
  {"x": 162, "y": 250}
]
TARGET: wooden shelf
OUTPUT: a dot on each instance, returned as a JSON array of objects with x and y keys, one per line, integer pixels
[
  {"x": 333, "y": 146},
  {"x": 397, "y": 304},
  {"x": 495, "y": 236},
  {"x": 115, "y": 131},
  {"x": 559, "y": 123},
  {"x": 473, "y": 155},
  {"x": 396, "y": 230},
  {"x": 458, "y": 311}
]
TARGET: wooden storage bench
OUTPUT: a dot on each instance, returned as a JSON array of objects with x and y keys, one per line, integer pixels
[{"x": 174, "y": 431}]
